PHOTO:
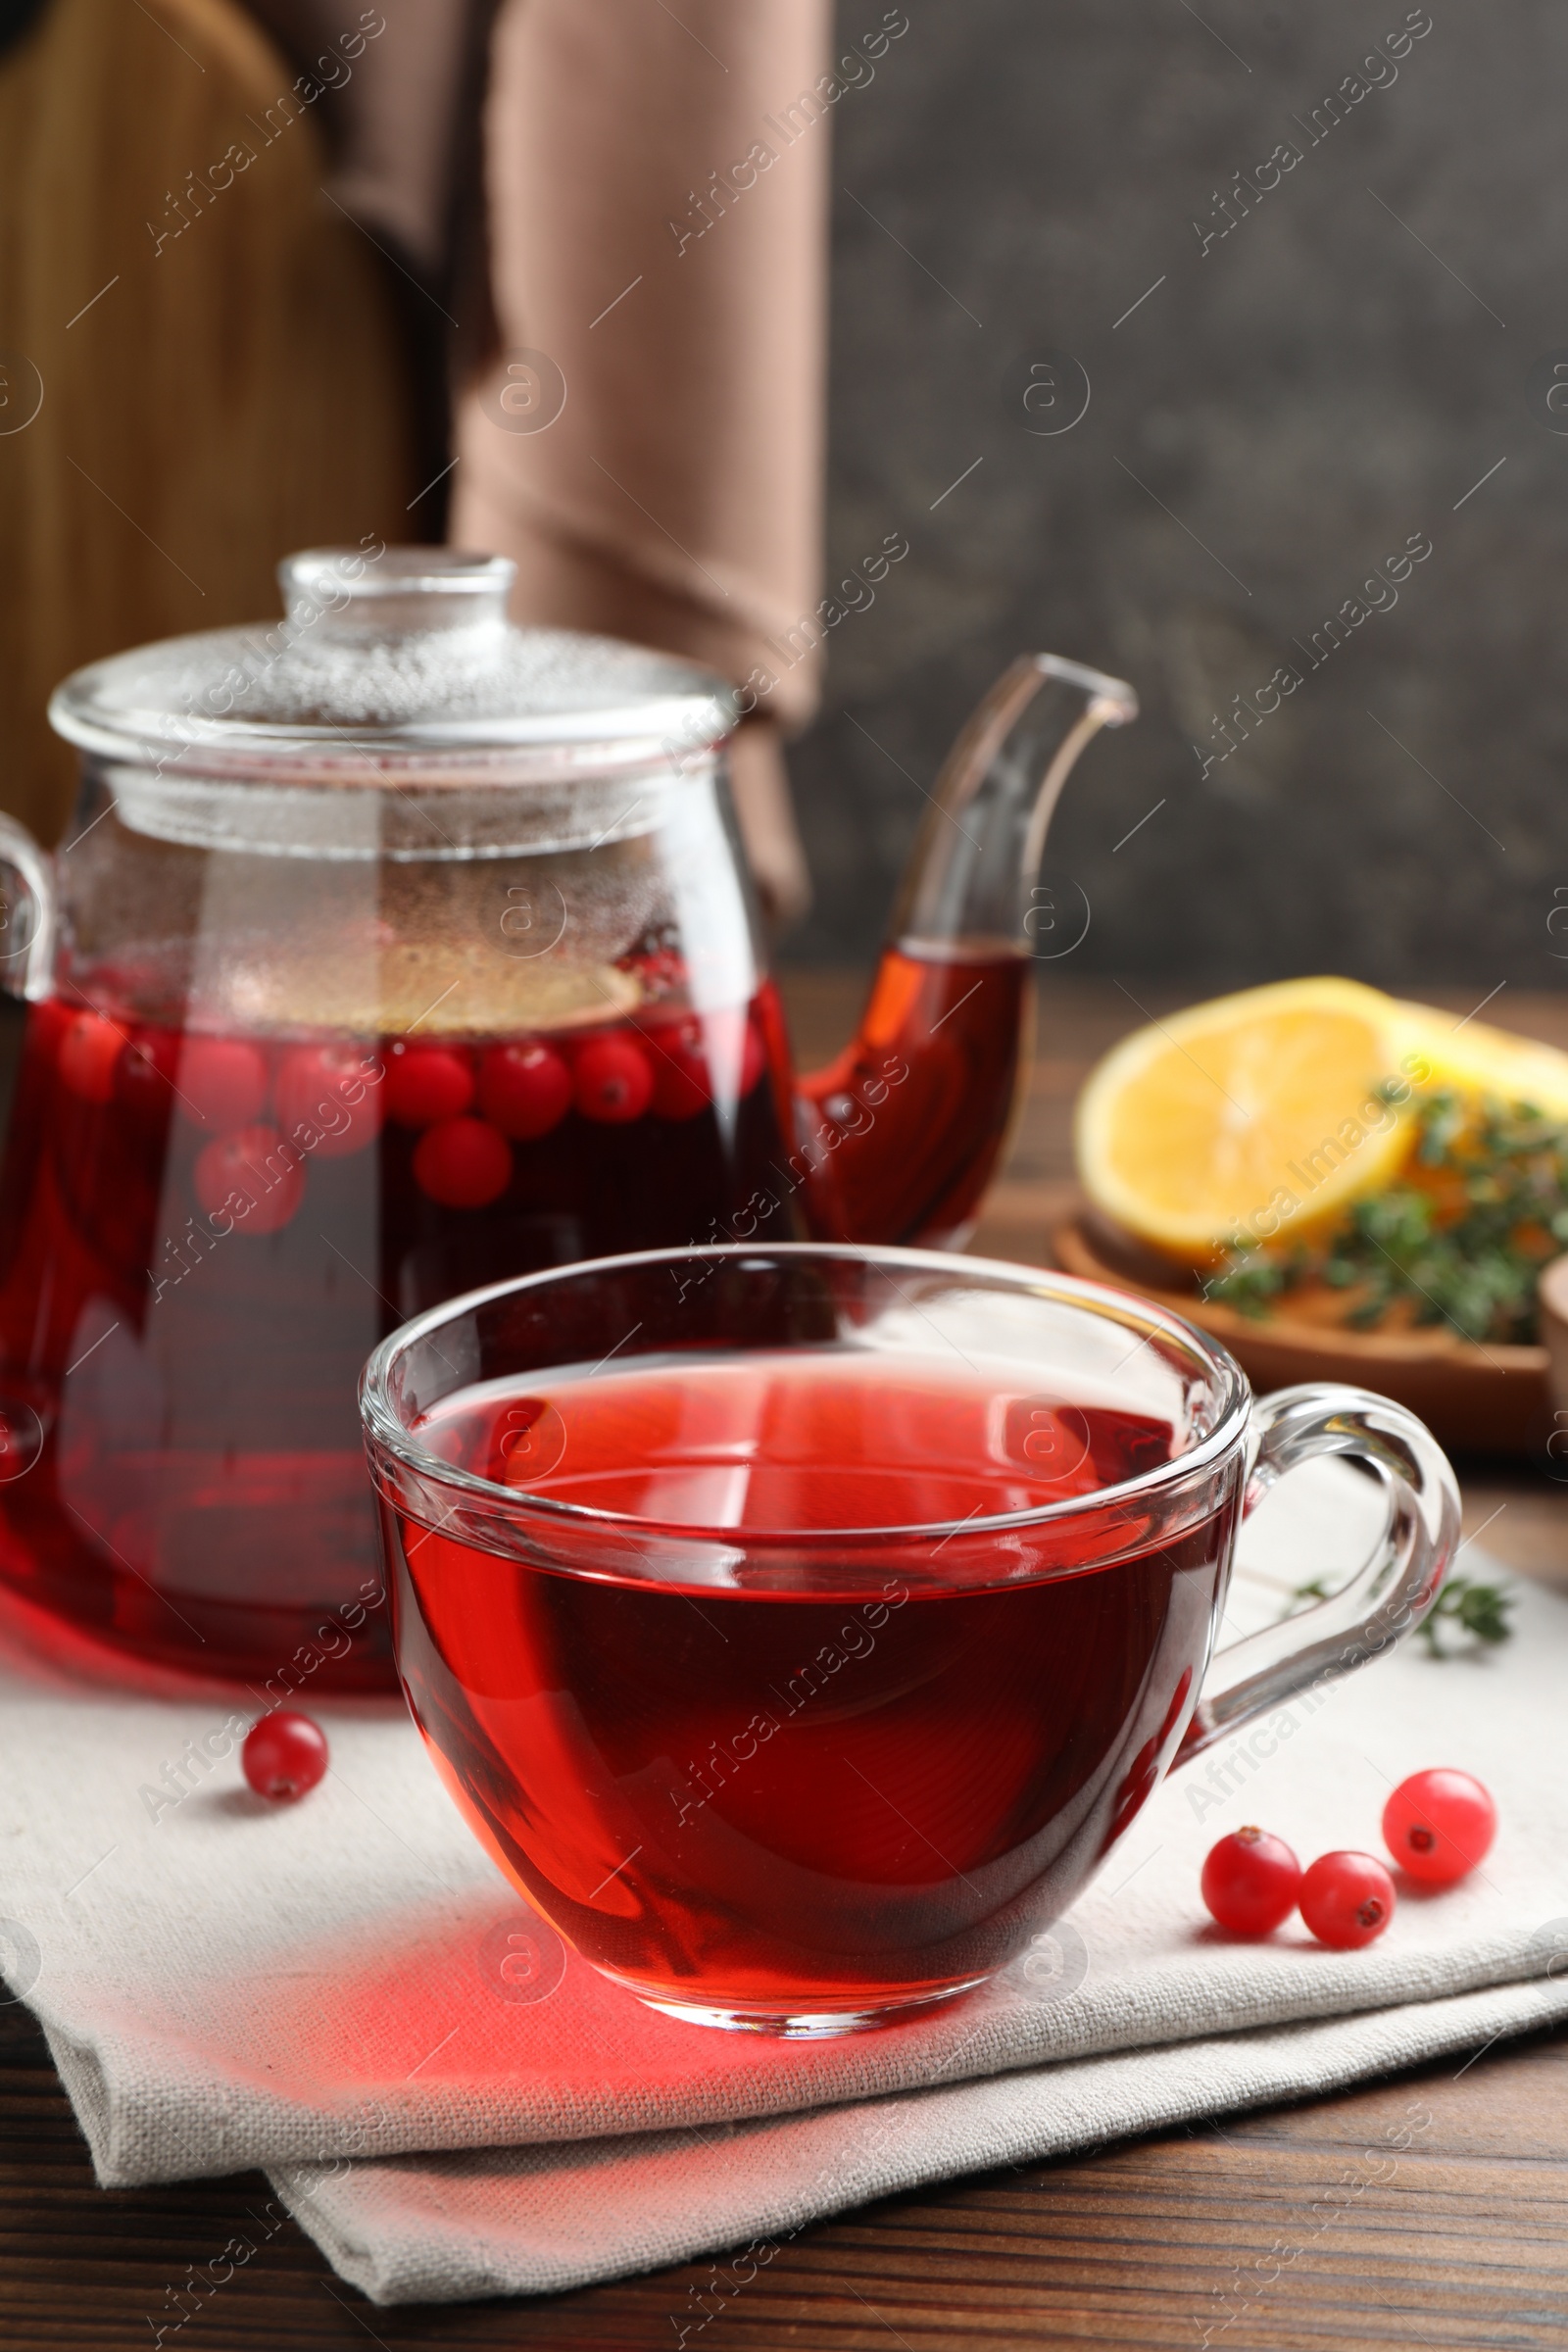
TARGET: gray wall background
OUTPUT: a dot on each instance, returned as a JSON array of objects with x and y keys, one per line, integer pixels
[{"x": 1320, "y": 384}]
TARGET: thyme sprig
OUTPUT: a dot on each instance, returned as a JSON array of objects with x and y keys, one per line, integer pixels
[
  {"x": 1460, "y": 1239},
  {"x": 1479, "y": 1611}
]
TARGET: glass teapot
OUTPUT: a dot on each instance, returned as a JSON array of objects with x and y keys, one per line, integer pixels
[{"x": 394, "y": 951}]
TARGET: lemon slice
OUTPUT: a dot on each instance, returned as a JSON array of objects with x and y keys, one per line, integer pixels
[
  {"x": 1249, "y": 1118},
  {"x": 439, "y": 988},
  {"x": 1478, "y": 1059}
]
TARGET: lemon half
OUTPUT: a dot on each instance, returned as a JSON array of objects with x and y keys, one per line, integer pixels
[{"x": 1250, "y": 1117}]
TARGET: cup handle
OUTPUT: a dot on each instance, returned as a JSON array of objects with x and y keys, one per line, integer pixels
[
  {"x": 26, "y": 913},
  {"x": 1393, "y": 1593}
]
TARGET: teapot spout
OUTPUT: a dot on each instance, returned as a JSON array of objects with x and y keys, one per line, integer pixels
[{"x": 900, "y": 1136}]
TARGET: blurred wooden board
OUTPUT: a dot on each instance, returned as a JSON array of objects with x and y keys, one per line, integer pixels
[
  {"x": 1491, "y": 1399},
  {"x": 221, "y": 374}
]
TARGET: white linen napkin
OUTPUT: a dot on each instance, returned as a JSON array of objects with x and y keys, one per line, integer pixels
[
  {"x": 539, "y": 2220},
  {"x": 226, "y": 1983}
]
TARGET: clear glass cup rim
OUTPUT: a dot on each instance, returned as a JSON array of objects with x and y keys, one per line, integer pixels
[{"x": 385, "y": 1430}]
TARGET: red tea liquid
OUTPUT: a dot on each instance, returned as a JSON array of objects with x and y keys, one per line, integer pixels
[
  {"x": 808, "y": 1802},
  {"x": 917, "y": 1110},
  {"x": 204, "y": 1233}
]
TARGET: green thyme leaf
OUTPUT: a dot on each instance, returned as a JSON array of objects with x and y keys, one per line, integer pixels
[
  {"x": 1475, "y": 1609},
  {"x": 1462, "y": 1249},
  {"x": 1478, "y": 1609}
]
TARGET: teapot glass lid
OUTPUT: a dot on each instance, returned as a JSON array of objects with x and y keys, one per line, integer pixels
[{"x": 399, "y": 653}]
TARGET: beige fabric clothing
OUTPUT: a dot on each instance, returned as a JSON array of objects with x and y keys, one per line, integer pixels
[
  {"x": 678, "y": 160},
  {"x": 397, "y": 116},
  {"x": 761, "y": 785},
  {"x": 658, "y": 190}
]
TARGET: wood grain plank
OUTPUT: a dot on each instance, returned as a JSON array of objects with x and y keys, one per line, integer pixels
[
  {"x": 1432, "y": 2207},
  {"x": 217, "y": 394}
]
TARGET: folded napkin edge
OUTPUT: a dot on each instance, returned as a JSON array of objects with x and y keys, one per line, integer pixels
[
  {"x": 458, "y": 2263},
  {"x": 147, "y": 2126}
]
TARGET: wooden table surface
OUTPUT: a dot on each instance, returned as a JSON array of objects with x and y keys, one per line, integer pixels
[{"x": 1250, "y": 2233}]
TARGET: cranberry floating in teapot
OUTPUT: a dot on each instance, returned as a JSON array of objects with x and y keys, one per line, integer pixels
[{"x": 395, "y": 951}]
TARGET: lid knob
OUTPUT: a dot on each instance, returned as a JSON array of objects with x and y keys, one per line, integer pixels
[{"x": 401, "y": 590}]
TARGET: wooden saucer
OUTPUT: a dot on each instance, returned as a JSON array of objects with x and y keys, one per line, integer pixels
[{"x": 1475, "y": 1399}]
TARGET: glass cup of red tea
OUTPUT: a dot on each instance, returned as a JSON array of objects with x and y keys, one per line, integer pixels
[{"x": 799, "y": 1627}]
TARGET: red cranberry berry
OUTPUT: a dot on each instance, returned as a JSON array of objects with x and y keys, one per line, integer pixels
[
  {"x": 222, "y": 1081},
  {"x": 1346, "y": 1899},
  {"x": 1251, "y": 1882},
  {"x": 612, "y": 1080},
  {"x": 524, "y": 1090},
  {"x": 88, "y": 1052},
  {"x": 1439, "y": 1825},
  {"x": 331, "y": 1098},
  {"x": 426, "y": 1083},
  {"x": 253, "y": 1176},
  {"x": 683, "y": 1084},
  {"x": 284, "y": 1755},
  {"x": 463, "y": 1164},
  {"x": 146, "y": 1073}
]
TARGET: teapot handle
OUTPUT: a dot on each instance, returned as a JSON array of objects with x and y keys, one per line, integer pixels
[
  {"x": 1379, "y": 1606},
  {"x": 27, "y": 913}
]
